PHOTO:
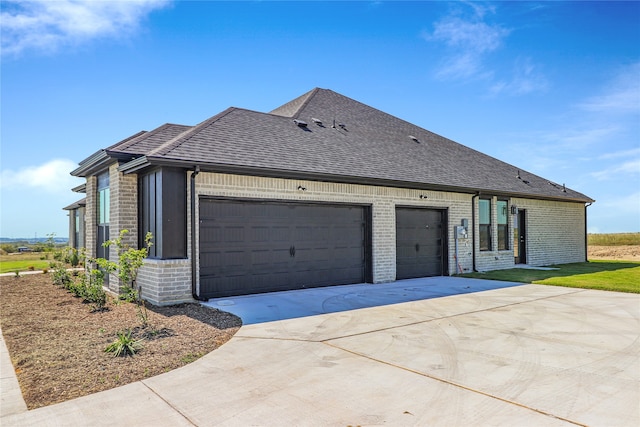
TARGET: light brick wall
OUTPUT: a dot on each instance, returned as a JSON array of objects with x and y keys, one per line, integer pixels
[
  {"x": 494, "y": 259},
  {"x": 383, "y": 201},
  {"x": 166, "y": 282},
  {"x": 124, "y": 214},
  {"x": 554, "y": 235},
  {"x": 91, "y": 217},
  {"x": 555, "y": 231}
]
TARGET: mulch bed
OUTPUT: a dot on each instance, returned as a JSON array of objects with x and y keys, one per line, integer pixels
[{"x": 56, "y": 342}]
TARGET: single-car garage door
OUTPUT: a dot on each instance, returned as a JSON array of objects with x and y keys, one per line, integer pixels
[
  {"x": 251, "y": 247},
  {"x": 420, "y": 243}
]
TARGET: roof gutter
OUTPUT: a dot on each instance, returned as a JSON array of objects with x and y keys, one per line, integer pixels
[{"x": 194, "y": 271}]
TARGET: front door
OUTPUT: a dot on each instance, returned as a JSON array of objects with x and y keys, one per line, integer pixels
[{"x": 520, "y": 237}]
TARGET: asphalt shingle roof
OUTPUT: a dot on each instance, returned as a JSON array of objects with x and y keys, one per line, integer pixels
[{"x": 365, "y": 145}]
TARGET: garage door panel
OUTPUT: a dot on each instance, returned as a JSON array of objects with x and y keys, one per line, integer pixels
[
  {"x": 419, "y": 242},
  {"x": 249, "y": 247}
]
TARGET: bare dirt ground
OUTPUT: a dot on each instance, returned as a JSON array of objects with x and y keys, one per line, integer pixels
[
  {"x": 623, "y": 253},
  {"x": 57, "y": 343}
]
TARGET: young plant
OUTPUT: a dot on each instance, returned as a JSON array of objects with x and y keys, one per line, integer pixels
[
  {"x": 129, "y": 262},
  {"x": 124, "y": 345}
]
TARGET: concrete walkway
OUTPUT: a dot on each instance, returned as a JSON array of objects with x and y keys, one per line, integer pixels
[{"x": 525, "y": 355}]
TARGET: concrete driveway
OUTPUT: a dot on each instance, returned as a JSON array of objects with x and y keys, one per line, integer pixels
[{"x": 526, "y": 355}]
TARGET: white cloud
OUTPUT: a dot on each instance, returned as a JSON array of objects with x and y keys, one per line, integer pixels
[
  {"x": 526, "y": 79},
  {"x": 53, "y": 176},
  {"x": 623, "y": 153},
  {"x": 49, "y": 25},
  {"x": 627, "y": 204},
  {"x": 468, "y": 36},
  {"x": 468, "y": 41},
  {"x": 620, "y": 95},
  {"x": 628, "y": 168}
]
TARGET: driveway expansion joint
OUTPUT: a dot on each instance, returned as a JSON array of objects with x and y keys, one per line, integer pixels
[
  {"x": 168, "y": 404},
  {"x": 455, "y": 384}
]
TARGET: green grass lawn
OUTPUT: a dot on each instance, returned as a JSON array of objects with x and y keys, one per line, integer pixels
[
  {"x": 621, "y": 276},
  {"x": 24, "y": 262}
]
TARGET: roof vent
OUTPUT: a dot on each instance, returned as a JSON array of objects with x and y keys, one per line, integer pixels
[
  {"x": 343, "y": 126},
  {"x": 300, "y": 123},
  {"x": 317, "y": 121},
  {"x": 414, "y": 139}
]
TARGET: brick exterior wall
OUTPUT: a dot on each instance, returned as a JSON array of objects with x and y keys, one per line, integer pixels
[
  {"x": 91, "y": 216},
  {"x": 124, "y": 214},
  {"x": 166, "y": 282},
  {"x": 555, "y": 230},
  {"x": 383, "y": 201}
]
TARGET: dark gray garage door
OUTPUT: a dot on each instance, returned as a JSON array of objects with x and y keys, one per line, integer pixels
[
  {"x": 252, "y": 247},
  {"x": 419, "y": 243}
]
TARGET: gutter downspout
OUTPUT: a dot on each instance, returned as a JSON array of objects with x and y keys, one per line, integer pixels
[
  {"x": 473, "y": 230},
  {"x": 194, "y": 293},
  {"x": 586, "y": 236}
]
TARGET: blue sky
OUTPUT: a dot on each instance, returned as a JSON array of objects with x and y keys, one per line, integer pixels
[{"x": 551, "y": 87}]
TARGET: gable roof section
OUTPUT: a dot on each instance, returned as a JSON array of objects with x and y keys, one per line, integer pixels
[{"x": 365, "y": 146}]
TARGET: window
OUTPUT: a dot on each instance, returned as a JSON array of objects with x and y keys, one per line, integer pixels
[
  {"x": 104, "y": 199},
  {"x": 76, "y": 236},
  {"x": 484, "y": 211},
  {"x": 503, "y": 221},
  {"x": 103, "y": 213}
]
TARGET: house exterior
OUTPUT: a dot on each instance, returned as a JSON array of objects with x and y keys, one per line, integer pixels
[{"x": 321, "y": 191}]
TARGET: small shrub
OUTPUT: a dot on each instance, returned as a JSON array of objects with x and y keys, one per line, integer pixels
[
  {"x": 96, "y": 296},
  {"x": 17, "y": 272},
  {"x": 31, "y": 268},
  {"x": 61, "y": 276},
  {"x": 128, "y": 294},
  {"x": 124, "y": 345},
  {"x": 45, "y": 270}
]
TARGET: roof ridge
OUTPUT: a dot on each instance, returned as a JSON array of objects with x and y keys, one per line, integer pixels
[
  {"x": 306, "y": 102},
  {"x": 128, "y": 140},
  {"x": 297, "y": 104},
  {"x": 166, "y": 147},
  {"x": 146, "y": 135}
]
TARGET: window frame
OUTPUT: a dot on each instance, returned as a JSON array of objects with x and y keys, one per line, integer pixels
[
  {"x": 502, "y": 228},
  {"x": 485, "y": 228}
]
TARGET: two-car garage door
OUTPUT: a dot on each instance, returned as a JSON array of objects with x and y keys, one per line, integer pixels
[{"x": 250, "y": 247}]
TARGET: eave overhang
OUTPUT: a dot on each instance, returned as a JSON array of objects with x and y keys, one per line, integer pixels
[
  {"x": 99, "y": 161},
  {"x": 146, "y": 162}
]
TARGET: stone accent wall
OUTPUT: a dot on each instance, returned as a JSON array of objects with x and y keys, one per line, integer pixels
[{"x": 555, "y": 231}]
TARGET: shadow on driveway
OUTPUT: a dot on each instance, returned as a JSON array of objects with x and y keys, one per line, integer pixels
[{"x": 274, "y": 306}]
